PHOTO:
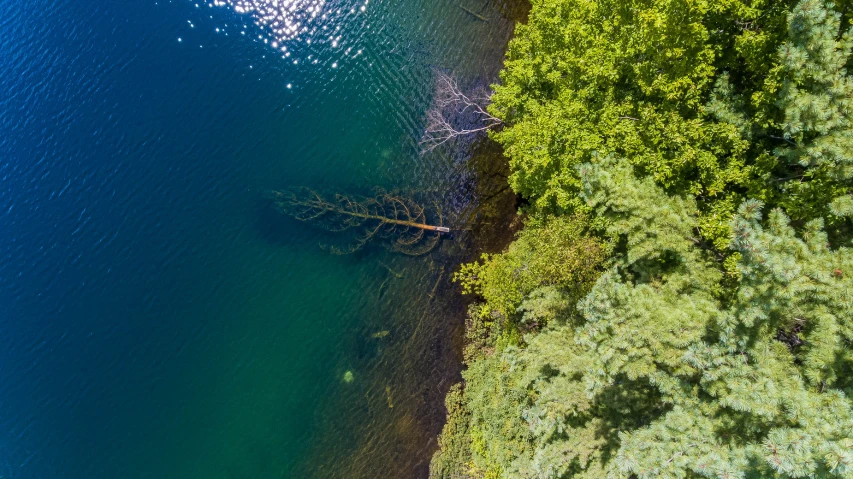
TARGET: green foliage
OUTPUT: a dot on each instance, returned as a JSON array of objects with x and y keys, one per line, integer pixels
[
  {"x": 662, "y": 379},
  {"x": 454, "y": 455},
  {"x": 554, "y": 252},
  {"x": 750, "y": 384},
  {"x": 709, "y": 145},
  {"x": 816, "y": 96},
  {"x": 651, "y": 222},
  {"x": 605, "y": 76},
  {"x": 719, "y": 100},
  {"x": 499, "y": 434},
  {"x": 796, "y": 286}
]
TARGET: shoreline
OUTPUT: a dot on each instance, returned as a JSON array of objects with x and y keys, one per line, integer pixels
[
  {"x": 495, "y": 223},
  {"x": 404, "y": 377}
]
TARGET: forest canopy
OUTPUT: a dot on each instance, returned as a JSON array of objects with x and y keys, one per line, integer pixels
[{"x": 680, "y": 302}]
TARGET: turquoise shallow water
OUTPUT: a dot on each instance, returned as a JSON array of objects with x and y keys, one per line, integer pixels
[{"x": 157, "y": 318}]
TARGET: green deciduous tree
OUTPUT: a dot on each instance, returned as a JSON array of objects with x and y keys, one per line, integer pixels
[
  {"x": 631, "y": 78},
  {"x": 554, "y": 252},
  {"x": 719, "y": 100}
]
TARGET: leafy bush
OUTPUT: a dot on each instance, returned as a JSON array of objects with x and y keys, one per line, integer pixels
[{"x": 553, "y": 252}]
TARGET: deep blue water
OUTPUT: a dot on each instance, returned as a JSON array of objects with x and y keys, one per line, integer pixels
[{"x": 157, "y": 318}]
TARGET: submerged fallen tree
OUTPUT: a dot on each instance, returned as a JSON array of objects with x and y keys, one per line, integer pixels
[{"x": 398, "y": 219}]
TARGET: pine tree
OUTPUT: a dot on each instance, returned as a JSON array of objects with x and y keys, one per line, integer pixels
[
  {"x": 662, "y": 377},
  {"x": 816, "y": 97},
  {"x": 751, "y": 384}
]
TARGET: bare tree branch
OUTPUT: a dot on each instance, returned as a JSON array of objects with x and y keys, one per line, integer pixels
[{"x": 454, "y": 114}]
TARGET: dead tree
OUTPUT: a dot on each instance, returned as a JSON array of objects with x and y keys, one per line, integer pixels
[
  {"x": 389, "y": 216},
  {"x": 454, "y": 114}
]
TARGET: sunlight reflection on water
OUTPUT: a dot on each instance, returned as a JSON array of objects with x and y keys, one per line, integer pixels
[{"x": 285, "y": 20}]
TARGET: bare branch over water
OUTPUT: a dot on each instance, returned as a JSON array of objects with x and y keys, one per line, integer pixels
[{"x": 454, "y": 114}]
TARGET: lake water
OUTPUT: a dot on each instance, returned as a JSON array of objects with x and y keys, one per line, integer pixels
[{"x": 157, "y": 318}]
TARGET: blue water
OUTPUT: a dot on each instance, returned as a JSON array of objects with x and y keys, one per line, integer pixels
[{"x": 157, "y": 318}]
